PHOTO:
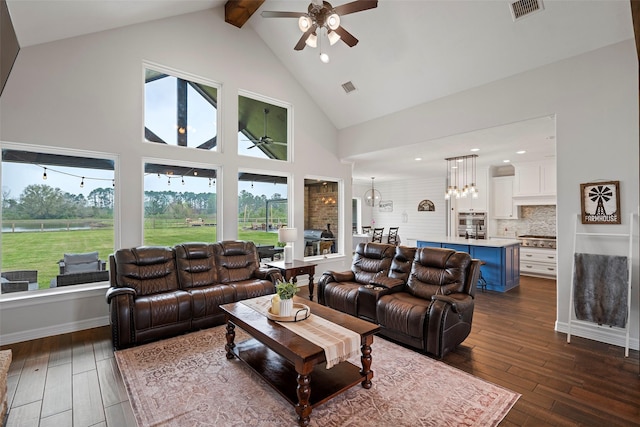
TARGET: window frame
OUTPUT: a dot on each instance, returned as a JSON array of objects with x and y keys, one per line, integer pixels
[
  {"x": 276, "y": 103},
  {"x": 339, "y": 228},
  {"x": 72, "y": 152},
  {"x": 191, "y": 78},
  {"x": 185, "y": 164}
]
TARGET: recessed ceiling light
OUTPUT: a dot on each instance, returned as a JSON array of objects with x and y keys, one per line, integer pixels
[
  {"x": 521, "y": 152},
  {"x": 506, "y": 161},
  {"x": 475, "y": 149},
  {"x": 418, "y": 158}
]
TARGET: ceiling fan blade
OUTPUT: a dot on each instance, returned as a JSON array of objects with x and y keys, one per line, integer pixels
[
  {"x": 277, "y": 14},
  {"x": 346, "y": 36},
  {"x": 302, "y": 42},
  {"x": 355, "y": 6}
]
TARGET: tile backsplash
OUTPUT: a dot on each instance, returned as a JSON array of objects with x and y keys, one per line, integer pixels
[{"x": 538, "y": 220}]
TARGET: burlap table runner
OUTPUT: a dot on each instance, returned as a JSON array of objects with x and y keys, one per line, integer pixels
[{"x": 339, "y": 343}]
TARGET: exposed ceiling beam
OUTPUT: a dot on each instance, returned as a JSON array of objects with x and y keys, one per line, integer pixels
[{"x": 238, "y": 12}]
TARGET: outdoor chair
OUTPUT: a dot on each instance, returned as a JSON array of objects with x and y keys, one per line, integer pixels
[
  {"x": 366, "y": 229},
  {"x": 81, "y": 268},
  {"x": 16, "y": 281}
]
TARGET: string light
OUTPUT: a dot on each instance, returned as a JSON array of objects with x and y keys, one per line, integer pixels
[
  {"x": 183, "y": 180},
  {"x": 44, "y": 174},
  {"x": 113, "y": 183},
  {"x": 82, "y": 183}
]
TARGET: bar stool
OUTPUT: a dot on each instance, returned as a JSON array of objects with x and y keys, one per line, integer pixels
[{"x": 482, "y": 283}]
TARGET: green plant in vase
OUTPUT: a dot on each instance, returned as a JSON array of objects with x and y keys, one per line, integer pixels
[{"x": 285, "y": 292}]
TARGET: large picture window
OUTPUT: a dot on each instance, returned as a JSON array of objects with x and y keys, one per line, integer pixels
[
  {"x": 56, "y": 209},
  {"x": 180, "y": 111},
  {"x": 263, "y": 208},
  {"x": 180, "y": 204}
]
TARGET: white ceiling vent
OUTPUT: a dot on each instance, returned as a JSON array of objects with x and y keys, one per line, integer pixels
[
  {"x": 521, "y": 8},
  {"x": 348, "y": 87}
]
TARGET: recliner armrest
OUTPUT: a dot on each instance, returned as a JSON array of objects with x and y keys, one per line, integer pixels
[
  {"x": 459, "y": 302},
  {"x": 388, "y": 282},
  {"x": 266, "y": 273},
  {"x": 114, "y": 292},
  {"x": 343, "y": 276}
]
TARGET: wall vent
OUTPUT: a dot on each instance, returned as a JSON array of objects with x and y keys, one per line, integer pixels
[
  {"x": 521, "y": 8},
  {"x": 348, "y": 87}
]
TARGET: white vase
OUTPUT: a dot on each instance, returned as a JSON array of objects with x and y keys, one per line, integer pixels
[{"x": 286, "y": 307}]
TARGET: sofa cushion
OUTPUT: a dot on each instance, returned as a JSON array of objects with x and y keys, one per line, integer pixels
[
  {"x": 196, "y": 265},
  {"x": 371, "y": 260},
  {"x": 79, "y": 263},
  {"x": 147, "y": 269},
  {"x": 235, "y": 260},
  {"x": 438, "y": 271}
]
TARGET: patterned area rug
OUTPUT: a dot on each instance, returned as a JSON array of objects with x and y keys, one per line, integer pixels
[{"x": 188, "y": 381}]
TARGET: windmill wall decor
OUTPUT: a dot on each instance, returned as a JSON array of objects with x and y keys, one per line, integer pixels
[{"x": 600, "y": 202}]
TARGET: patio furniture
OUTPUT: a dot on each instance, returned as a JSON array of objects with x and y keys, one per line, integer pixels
[
  {"x": 81, "y": 268},
  {"x": 19, "y": 280}
]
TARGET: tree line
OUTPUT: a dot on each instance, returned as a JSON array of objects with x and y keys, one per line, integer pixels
[{"x": 41, "y": 201}]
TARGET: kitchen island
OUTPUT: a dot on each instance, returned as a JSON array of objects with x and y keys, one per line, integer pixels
[{"x": 501, "y": 257}]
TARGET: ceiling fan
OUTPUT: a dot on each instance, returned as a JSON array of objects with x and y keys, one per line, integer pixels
[
  {"x": 265, "y": 139},
  {"x": 321, "y": 16}
]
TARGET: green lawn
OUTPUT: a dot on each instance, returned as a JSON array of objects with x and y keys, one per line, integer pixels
[{"x": 41, "y": 250}]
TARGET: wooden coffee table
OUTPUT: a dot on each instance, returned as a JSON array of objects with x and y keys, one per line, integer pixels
[{"x": 291, "y": 364}]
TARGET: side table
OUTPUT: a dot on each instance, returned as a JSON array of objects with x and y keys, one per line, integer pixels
[{"x": 296, "y": 268}]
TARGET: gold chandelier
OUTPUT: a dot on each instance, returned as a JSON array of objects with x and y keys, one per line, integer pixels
[{"x": 461, "y": 177}]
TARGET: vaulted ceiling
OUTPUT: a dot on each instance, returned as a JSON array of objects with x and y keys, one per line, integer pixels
[{"x": 409, "y": 51}]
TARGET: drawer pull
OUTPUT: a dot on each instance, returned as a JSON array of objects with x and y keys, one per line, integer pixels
[{"x": 529, "y": 255}]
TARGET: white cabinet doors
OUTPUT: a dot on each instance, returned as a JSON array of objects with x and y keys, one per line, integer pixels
[
  {"x": 502, "y": 198},
  {"x": 535, "y": 179}
]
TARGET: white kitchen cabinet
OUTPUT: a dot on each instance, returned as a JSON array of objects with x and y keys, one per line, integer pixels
[
  {"x": 502, "y": 198},
  {"x": 469, "y": 204},
  {"x": 538, "y": 262},
  {"x": 535, "y": 183}
]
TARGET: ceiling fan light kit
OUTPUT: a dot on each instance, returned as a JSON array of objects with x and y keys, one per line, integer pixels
[{"x": 322, "y": 16}]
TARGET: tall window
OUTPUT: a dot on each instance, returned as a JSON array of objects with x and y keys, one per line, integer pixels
[
  {"x": 321, "y": 216},
  {"x": 263, "y": 129},
  {"x": 262, "y": 207},
  {"x": 179, "y": 111},
  {"x": 52, "y": 205},
  {"x": 180, "y": 204}
]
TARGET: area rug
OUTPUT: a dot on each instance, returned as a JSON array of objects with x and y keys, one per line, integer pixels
[{"x": 187, "y": 381}]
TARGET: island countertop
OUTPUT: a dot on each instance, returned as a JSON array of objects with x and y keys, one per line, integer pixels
[{"x": 490, "y": 243}]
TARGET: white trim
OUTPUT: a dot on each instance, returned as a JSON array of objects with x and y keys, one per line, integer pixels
[
  {"x": 606, "y": 334},
  {"x": 54, "y": 330},
  {"x": 46, "y": 296}
]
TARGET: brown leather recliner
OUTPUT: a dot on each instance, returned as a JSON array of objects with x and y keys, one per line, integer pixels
[
  {"x": 434, "y": 311},
  {"x": 145, "y": 299},
  {"x": 339, "y": 290},
  {"x": 423, "y": 299}
]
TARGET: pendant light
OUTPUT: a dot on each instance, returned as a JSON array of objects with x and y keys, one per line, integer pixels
[{"x": 372, "y": 196}]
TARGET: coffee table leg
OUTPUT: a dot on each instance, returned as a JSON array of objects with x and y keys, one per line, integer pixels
[
  {"x": 366, "y": 372},
  {"x": 303, "y": 409},
  {"x": 231, "y": 335},
  {"x": 310, "y": 287}
]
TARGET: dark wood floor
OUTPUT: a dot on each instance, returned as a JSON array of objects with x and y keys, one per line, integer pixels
[{"x": 73, "y": 380}]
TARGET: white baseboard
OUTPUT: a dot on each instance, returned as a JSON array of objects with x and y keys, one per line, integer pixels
[
  {"x": 54, "y": 330},
  {"x": 592, "y": 331}
]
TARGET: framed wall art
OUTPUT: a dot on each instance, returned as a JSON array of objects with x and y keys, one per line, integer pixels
[
  {"x": 600, "y": 202},
  {"x": 426, "y": 206},
  {"x": 385, "y": 206}
]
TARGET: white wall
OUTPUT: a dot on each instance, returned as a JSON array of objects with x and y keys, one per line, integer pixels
[
  {"x": 86, "y": 93},
  {"x": 595, "y": 99},
  {"x": 405, "y": 197}
]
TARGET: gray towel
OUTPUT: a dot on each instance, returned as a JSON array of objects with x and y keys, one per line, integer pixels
[{"x": 600, "y": 291}]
